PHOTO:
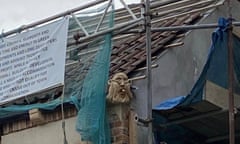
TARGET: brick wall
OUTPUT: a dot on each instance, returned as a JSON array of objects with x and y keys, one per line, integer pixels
[{"x": 119, "y": 123}]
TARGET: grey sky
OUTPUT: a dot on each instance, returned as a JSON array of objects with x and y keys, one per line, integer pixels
[{"x": 15, "y": 13}]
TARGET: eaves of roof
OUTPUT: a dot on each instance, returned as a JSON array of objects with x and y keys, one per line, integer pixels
[{"x": 128, "y": 51}]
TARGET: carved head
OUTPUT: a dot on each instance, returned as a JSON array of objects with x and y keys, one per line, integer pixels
[{"x": 119, "y": 89}]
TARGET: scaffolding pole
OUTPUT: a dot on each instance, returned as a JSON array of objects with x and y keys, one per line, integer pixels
[
  {"x": 124, "y": 25},
  {"x": 191, "y": 27},
  {"x": 230, "y": 77},
  {"x": 175, "y": 28},
  {"x": 148, "y": 31},
  {"x": 230, "y": 87},
  {"x": 69, "y": 12},
  {"x": 149, "y": 69}
]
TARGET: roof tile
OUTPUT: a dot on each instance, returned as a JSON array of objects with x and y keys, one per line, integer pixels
[{"x": 129, "y": 52}]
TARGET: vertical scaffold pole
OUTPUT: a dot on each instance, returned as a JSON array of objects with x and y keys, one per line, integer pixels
[
  {"x": 149, "y": 70},
  {"x": 230, "y": 78}
]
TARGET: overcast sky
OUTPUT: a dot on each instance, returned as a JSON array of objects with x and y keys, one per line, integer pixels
[{"x": 15, "y": 13}]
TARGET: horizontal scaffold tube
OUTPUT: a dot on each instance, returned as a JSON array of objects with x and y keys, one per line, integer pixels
[{"x": 69, "y": 12}]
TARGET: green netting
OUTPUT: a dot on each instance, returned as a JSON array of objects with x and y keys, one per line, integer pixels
[
  {"x": 92, "y": 118},
  {"x": 18, "y": 109},
  {"x": 85, "y": 83}
]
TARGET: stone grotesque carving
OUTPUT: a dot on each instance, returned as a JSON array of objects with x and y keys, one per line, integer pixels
[{"x": 119, "y": 89}]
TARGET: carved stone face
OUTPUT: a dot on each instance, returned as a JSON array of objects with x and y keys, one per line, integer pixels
[{"x": 119, "y": 89}]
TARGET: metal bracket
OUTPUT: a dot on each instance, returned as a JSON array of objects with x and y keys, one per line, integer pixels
[{"x": 143, "y": 122}]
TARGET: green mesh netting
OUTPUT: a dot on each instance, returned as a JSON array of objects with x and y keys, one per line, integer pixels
[
  {"x": 91, "y": 120},
  {"x": 85, "y": 80}
]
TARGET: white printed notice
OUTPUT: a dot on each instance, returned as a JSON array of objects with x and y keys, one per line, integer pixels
[{"x": 33, "y": 61}]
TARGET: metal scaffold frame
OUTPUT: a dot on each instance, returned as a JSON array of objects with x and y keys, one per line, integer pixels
[{"x": 146, "y": 19}]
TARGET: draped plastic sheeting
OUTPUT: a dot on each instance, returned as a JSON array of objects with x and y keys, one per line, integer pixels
[
  {"x": 215, "y": 70},
  {"x": 216, "y": 67}
]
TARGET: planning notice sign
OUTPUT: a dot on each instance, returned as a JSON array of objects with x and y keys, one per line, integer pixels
[{"x": 33, "y": 60}]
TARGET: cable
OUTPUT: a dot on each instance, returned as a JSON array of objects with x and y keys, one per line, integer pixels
[{"x": 63, "y": 119}]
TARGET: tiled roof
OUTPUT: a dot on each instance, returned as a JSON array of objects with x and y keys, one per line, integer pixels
[{"x": 128, "y": 52}]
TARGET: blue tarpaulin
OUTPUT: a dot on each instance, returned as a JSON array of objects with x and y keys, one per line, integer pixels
[{"x": 214, "y": 70}]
